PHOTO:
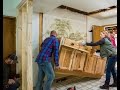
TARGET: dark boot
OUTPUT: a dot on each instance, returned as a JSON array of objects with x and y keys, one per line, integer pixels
[
  {"x": 105, "y": 86},
  {"x": 114, "y": 84}
]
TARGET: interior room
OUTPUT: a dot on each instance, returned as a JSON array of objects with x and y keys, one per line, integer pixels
[{"x": 27, "y": 23}]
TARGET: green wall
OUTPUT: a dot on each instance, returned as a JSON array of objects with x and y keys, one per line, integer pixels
[{"x": 9, "y": 7}]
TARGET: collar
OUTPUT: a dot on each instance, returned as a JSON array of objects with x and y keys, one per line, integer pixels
[{"x": 52, "y": 36}]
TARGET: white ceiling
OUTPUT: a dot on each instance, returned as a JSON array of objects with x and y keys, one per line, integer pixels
[
  {"x": 45, "y": 5},
  {"x": 108, "y": 14},
  {"x": 84, "y": 5},
  {"x": 90, "y": 5}
]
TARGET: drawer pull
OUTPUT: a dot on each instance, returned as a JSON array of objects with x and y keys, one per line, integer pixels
[{"x": 72, "y": 44}]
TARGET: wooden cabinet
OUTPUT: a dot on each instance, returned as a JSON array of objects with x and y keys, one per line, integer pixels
[
  {"x": 80, "y": 61},
  {"x": 96, "y": 34},
  {"x": 71, "y": 59}
]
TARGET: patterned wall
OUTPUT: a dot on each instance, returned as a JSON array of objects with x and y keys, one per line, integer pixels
[{"x": 73, "y": 29}]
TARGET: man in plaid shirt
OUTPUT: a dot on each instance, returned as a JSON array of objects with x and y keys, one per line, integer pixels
[{"x": 49, "y": 46}]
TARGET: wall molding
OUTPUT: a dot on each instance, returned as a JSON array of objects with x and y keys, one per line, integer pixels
[{"x": 86, "y": 13}]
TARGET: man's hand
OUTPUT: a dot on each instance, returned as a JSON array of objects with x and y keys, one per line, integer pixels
[
  {"x": 83, "y": 43},
  {"x": 11, "y": 81},
  {"x": 104, "y": 58}
]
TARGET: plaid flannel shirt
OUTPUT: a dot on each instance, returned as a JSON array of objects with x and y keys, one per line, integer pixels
[{"x": 49, "y": 46}]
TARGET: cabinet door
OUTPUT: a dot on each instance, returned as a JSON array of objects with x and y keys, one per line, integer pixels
[
  {"x": 100, "y": 66},
  {"x": 79, "y": 60},
  {"x": 96, "y": 34},
  {"x": 90, "y": 64},
  {"x": 65, "y": 57}
]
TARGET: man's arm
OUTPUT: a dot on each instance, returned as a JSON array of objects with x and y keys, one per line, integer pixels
[
  {"x": 100, "y": 42},
  {"x": 56, "y": 52}
]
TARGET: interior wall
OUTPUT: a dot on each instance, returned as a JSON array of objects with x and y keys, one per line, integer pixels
[
  {"x": 112, "y": 20},
  {"x": 9, "y": 7},
  {"x": 91, "y": 21},
  {"x": 83, "y": 22},
  {"x": 65, "y": 27},
  {"x": 35, "y": 44}
]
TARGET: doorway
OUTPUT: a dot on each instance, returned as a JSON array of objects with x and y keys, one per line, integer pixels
[{"x": 9, "y": 38}]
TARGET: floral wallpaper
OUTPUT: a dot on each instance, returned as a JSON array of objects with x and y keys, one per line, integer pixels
[{"x": 68, "y": 28}]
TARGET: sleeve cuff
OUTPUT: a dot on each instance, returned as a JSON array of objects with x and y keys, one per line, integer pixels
[{"x": 56, "y": 64}]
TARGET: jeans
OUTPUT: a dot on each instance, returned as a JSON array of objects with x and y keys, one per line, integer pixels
[
  {"x": 111, "y": 69},
  {"x": 45, "y": 69}
]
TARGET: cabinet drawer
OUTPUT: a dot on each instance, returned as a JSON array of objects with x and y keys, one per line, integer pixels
[{"x": 70, "y": 43}]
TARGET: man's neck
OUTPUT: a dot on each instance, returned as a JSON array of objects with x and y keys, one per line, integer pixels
[{"x": 52, "y": 35}]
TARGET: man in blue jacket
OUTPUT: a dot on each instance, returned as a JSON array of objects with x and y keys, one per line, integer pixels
[{"x": 49, "y": 46}]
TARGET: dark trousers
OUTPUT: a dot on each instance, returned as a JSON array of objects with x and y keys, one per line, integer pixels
[
  {"x": 11, "y": 87},
  {"x": 111, "y": 69}
]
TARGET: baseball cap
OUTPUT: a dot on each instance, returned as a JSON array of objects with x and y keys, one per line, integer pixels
[{"x": 13, "y": 57}]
